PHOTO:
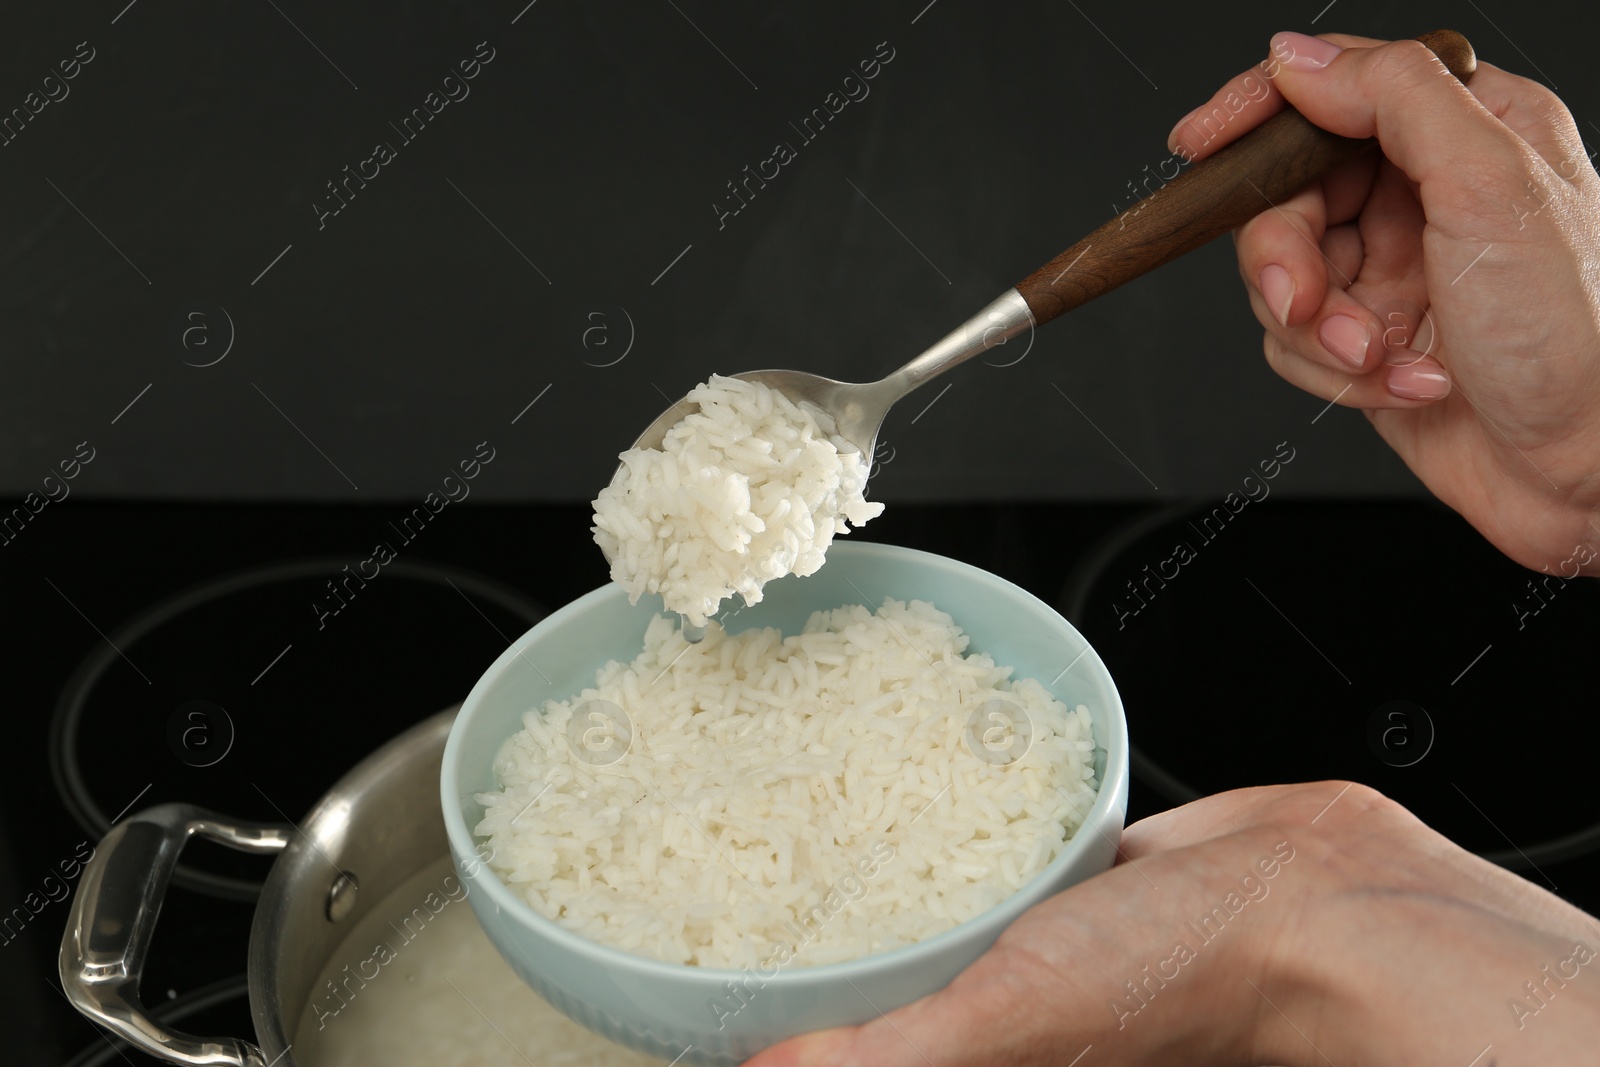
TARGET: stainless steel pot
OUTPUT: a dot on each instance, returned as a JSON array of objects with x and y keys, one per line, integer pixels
[{"x": 376, "y": 828}]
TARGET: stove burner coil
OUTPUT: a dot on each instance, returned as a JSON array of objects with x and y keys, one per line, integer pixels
[{"x": 70, "y": 781}]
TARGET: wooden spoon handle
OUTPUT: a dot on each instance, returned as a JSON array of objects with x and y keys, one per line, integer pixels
[{"x": 1267, "y": 165}]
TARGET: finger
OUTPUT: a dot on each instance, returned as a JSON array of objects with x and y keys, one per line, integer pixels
[
  {"x": 1344, "y": 193},
  {"x": 1341, "y": 335},
  {"x": 1370, "y": 282},
  {"x": 1228, "y": 813},
  {"x": 1344, "y": 249},
  {"x": 1294, "y": 296},
  {"x": 1415, "y": 380},
  {"x": 821, "y": 1046},
  {"x": 1280, "y": 256},
  {"x": 1298, "y": 224},
  {"x": 1391, "y": 224},
  {"x": 1348, "y": 185},
  {"x": 1244, "y": 103},
  {"x": 1392, "y": 284},
  {"x": 1341, "y": 248}
]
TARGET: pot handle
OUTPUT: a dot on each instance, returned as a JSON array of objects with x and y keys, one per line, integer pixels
[{"x": 114, "y": 914}]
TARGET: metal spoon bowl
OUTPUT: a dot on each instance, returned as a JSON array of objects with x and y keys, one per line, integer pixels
[{"x": 858, "y": 409}]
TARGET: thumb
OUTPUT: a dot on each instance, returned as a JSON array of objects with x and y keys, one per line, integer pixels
[
  {"x": 1007, "y": 1007},
  {"x": 824, "y": 1047},
  {"x": 1427, "y": 122}
]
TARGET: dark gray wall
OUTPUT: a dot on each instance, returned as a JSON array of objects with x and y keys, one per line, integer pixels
[{"x": 390, "y": 339}]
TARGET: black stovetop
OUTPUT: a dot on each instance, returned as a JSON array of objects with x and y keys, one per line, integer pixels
[{"x": 198, "y": 653}]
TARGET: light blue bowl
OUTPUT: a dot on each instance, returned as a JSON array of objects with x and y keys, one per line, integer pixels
[{"x": 667, "y": 1008}]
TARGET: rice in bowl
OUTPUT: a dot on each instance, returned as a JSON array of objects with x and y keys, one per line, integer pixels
[{"x": 859, "y": 786}]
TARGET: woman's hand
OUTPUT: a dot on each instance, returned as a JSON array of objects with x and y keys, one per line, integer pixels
[
  {"x": 1296, "y": 925},
  {"x": 1449, "y": 287}
]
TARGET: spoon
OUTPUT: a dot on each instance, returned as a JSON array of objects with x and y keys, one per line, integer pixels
[{"x": 1221, "y": 192}]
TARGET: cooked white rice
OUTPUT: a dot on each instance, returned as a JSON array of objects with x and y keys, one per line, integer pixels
[
  {"x": 749, "y": 488},
  {"x": 816, "y": 792},
  {"x": 447, "y": 999}
]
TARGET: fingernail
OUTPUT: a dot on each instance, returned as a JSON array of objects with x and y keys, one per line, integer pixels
[
  {"x": 1300, "y": 52},
  {"x": 1277, "y": 288},
  {"x": 1418, "y": 382},
  {"x": 1346, "y": 338},
  {"x": 1172, "y": 138}
]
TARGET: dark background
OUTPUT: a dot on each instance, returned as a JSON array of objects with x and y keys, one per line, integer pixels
[
  {"x": 377, "y": 352},
  {"x": 596, "y": 143}
]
